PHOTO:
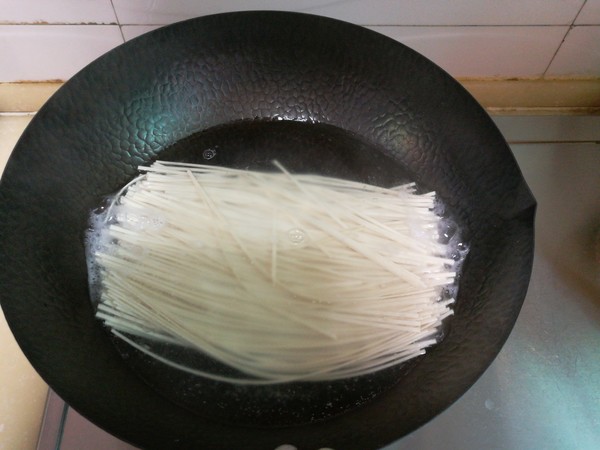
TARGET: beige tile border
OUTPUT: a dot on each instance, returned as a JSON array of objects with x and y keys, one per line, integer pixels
[
  {"x": 537, "y": 96},
  {"x": 26, "y": 97},
  {"x": 498, "y": 96}
]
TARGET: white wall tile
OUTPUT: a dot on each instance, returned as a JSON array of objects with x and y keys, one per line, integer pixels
[
  {"x": 374, "y": 12},
  {"x": 483, "y": 51},
  {"x": 579, "y": 54},
  {"x": 47, "y": 52},
  {"x": 590, "y": 13},
  {"x": 133, "y": 31},
  {"x": 56, "y": 11}
]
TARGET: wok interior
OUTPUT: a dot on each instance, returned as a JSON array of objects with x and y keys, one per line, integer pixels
[{"x": 300, "y": 148}]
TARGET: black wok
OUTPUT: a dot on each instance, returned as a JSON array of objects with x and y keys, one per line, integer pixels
[{"x": 320, "y": 95}]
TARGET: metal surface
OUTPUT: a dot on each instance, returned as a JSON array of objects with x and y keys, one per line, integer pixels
[{"x": 543, "y": 390}]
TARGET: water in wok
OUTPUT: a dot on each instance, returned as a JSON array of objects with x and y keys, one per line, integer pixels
[{"x": 320, "y": 96}]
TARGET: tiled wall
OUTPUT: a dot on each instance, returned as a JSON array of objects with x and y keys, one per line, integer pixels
[{"x": 53, "y": 39}]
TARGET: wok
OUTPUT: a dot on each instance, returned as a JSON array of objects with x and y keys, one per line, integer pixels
[{"x": 322, "y": 96}]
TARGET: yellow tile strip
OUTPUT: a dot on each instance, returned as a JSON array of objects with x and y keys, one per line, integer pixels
[
  {"x": 11, "y": 128},
  {"x": 536, "y": 96},
  {"x": 498, "y": 96},
  {"x": 26, "y": 97}
]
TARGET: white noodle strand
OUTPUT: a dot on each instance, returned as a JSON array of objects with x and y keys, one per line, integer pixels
[{"x": 282, "y": 277}]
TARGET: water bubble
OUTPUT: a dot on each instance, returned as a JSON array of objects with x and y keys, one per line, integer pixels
[
  {"x": 447, "y": 293},
  {"x": 296, "y": 235},
  {"x": 447, "y": 229},
  {"x": 140, "y": 222},
  {"x": 156, "y": 222},
  {"x": 209, "y": 153},
  {"x": 103, "y": 207}
]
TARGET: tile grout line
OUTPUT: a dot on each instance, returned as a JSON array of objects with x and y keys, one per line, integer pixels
[
  {"x": 391, "y": 25},
  {"x": 54, "y": 24},
  {"x": 457, "y": 25},
  {"x": 112, "y": 4},
  {"x": 563, "y": 39},
  {"x": 539, "y": 142}
]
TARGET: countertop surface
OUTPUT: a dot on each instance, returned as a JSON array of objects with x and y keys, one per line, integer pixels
[
  {"x": 543, "y": 389},
  {"x": 22, "y": 391}
]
